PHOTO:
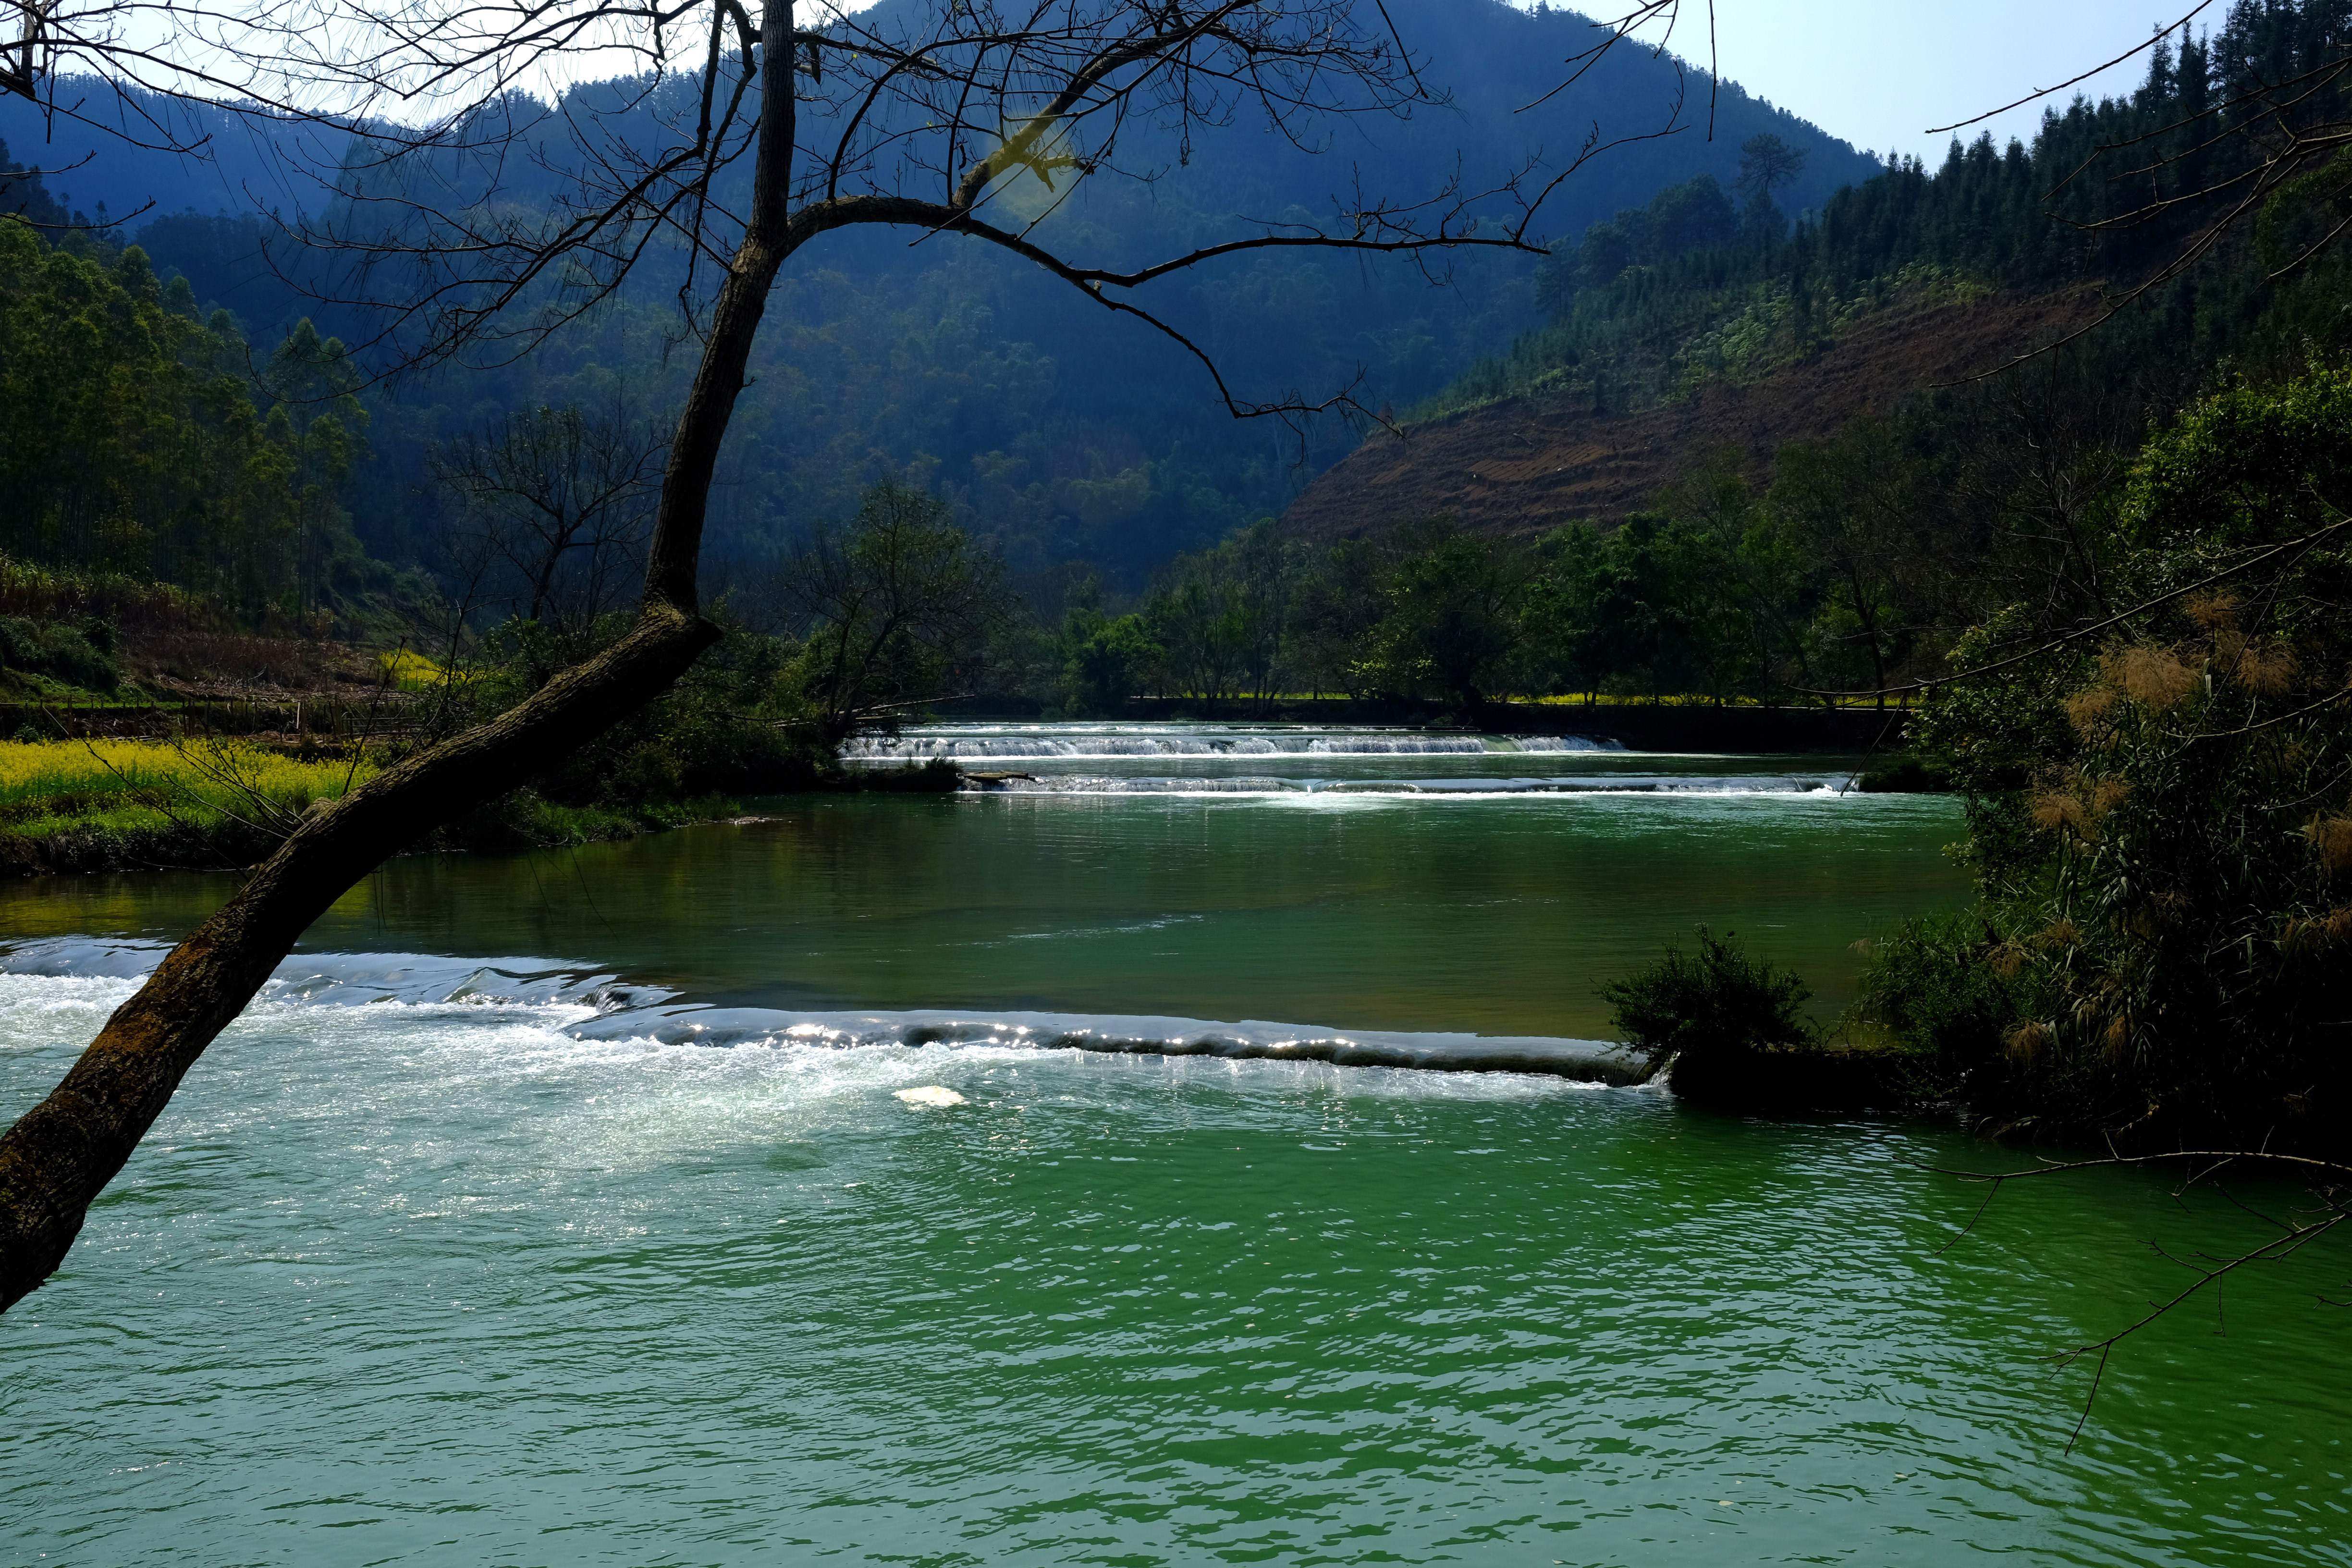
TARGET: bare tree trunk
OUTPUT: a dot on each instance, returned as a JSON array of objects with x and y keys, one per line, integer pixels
[{"x": 61, "y": 1154}]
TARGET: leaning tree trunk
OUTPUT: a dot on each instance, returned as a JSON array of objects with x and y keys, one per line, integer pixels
[{"x": 61, "y": 1154}]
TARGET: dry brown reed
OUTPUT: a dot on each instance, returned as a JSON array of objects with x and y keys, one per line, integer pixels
[
  {"x": 2331, "y": 837},
  {"x": 2027, "y": 1040},
  {"x": 2153, "y": 677},
  {"x": 2211, "y": 611},
  {"x": 2054, "y": 811}
]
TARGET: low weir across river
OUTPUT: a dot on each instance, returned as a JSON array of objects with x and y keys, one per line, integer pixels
[{"x": 1052, "y": 1172}]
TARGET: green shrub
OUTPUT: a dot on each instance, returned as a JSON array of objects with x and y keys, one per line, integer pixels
[
  {"x": 1904, "y": 776},
  {"x": 78, "y": 655},
  {"x": 1731, "y": 1028},
  {"x": 1717, "y": 1002},
  {"x": 1734, "y": 1032}
]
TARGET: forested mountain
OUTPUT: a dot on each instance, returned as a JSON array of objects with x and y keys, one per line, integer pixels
[
  {"x": 1653, "y": 302},
  {"x": 1831, "y": 497},
  {"x": 144, "y": 440},
  {"x": 1054, "y": 431}
]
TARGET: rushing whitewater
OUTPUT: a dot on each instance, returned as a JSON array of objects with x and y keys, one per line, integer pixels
[
  {"x": 595, "y": 1007},
  {"x": 1296, "y": 759},
  {"x": 1009, "y": 743}
]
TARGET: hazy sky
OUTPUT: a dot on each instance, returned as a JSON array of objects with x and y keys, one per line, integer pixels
[{"x": 1879, "y": 72}]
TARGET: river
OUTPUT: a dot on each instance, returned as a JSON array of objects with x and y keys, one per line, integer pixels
[{"x": 565, "y": 1208}]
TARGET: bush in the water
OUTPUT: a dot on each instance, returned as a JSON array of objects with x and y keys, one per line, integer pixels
[{"x": 1732, "y": 1025}]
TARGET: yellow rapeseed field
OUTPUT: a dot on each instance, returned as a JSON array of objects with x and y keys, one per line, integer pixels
[
  {"x": 412, "y": 671},
  {"x": 48, "y": 785}
]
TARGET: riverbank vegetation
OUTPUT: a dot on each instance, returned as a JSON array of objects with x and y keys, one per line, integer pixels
[
  {"x": 2159, "y": 813},
  {"x": 1719, "y": 595},
  {"x": 2116, "y": 580}
]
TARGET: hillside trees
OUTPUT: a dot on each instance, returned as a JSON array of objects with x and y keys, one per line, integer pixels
[
  {"x": 129, "y": 442},
  {"x": 895, "y": 610},
  {"x": 1105, "y": 658},
  {"x": 1224, "y": 622},
  {"x": 1452, "y": 617},
  {"x": 1767, "y": 164},
  {"x": 1421, "y": 612},
  {"x": 1719, "y": 593},
  {"x": 955, "y": 124},
  {"x": 2211, "y": 200}
]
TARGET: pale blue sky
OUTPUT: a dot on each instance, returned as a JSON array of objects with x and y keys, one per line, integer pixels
[{"x": 1878, "y": 72}]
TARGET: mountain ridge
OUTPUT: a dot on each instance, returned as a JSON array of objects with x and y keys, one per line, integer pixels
[{"x": 1053, "y": 432}]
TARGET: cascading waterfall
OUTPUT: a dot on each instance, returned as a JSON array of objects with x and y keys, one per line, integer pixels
[
  {"x": 1294, "y": 761},
  {"x": 1267, "y": 785}
]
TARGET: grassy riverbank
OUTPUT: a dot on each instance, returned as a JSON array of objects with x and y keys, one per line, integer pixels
[
  {"x": 106, "y": 804},
  {"x": 136, "y": 805}
]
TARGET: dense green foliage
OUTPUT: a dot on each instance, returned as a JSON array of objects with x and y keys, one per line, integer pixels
[
  {"x": 1719, "y": 593},
  {"x": 1716, "y": 1002},
  {"x": 80, "y": 656},
  {"x": 2159, "y": 813},
  {"x": 131, "y": 441}
]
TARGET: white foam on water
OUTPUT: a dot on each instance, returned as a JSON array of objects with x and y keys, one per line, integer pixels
[
  {"x": 1600, "y": 784},
  {"x": 556, "y": 1014},
  {"x": 1107, "y": 742}
]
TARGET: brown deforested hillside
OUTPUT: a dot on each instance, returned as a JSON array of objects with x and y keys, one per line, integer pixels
[{"x": 1528, "y": 464}]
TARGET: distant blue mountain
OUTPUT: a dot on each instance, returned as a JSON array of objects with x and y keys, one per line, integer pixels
[
  {"x": 1059, "y": 430},
  {"x": 113, "y": 148}
]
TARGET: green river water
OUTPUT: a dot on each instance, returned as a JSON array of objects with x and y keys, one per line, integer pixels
[{"x": 459, "y": 1248}]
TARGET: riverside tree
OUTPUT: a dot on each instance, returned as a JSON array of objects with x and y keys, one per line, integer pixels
[
  {"x": 552, "y": 507},
  {"x": 461, "y": 218},
  {"x": 895, "y": 611}
]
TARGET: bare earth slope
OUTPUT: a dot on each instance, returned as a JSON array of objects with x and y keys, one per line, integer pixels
[{"x": 1524, "y": 466}]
